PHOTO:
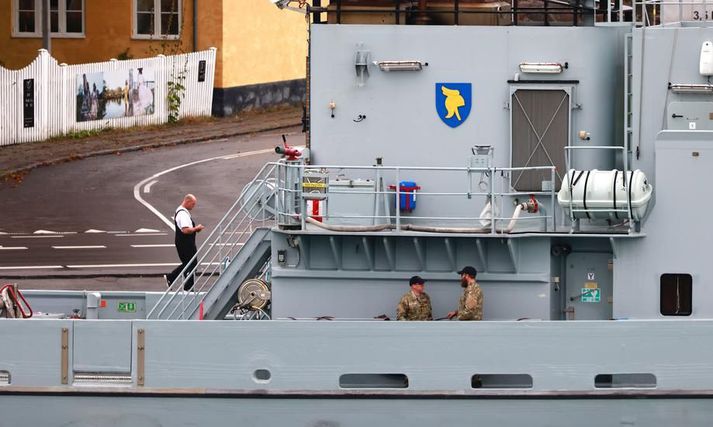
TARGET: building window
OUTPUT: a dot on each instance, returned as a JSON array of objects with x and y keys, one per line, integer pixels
[
  {"x": 66, "y": 18},
  {"x": 676, "y": 294},
  {"x": 26, "y": 16},
  {"x": 157, "y": 18}
]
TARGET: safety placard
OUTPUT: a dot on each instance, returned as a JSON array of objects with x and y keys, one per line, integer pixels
[
  {"x": 126, "y": 307},
  {"x": 591, "y": 295}
]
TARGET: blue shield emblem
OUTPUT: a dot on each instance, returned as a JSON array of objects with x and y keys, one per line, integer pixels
[{"x": 453, "y": 101}]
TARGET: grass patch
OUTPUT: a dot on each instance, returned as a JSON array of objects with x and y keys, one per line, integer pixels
[{"x": 88, "y": 133}]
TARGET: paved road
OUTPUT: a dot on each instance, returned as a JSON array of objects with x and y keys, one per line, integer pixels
[{"x": 87, "y": 218}]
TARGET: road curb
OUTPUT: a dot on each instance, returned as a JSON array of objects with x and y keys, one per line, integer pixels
[{"x": 58, "y": 160}]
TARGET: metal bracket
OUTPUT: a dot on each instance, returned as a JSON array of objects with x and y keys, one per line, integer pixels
[
  {"x": 335, "y": 252},
  {"x": 451, "y": 252},
  {"x": 367, "y": 253},
  {"x": 389, "y": 253},
  {"x": 418, "y": 245},
  {"x": 140, "y": 357},
  {"x": 512, "y": 248},
  {"x": 64, "y": 359},
  {"x": 481, "y": 254}
]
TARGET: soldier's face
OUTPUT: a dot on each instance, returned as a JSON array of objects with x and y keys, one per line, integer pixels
[
  {"x": 464, "y": 280},
  {"x": 417, "y": 288}
]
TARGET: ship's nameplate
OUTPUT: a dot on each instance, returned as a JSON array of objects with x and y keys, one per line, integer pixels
[{"x": 692, "y": 11}]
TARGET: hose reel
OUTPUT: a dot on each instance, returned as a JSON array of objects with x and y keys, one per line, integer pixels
[{"x": 253, "y": 294}]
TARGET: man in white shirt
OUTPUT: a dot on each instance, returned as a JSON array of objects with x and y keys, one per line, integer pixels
[{"x": 185, "y": 240}]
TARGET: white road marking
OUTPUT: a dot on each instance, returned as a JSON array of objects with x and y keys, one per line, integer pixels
[
  {"x": 12, "y": 248},
  {"x": 91, "y": 230},
  {"x": 147, "y": 187},
  {"x": 52, "y": 233},
  {"x": 147, "y": 230},
  {"x": 140, "y": 234},
  {"x": 248, "y": 153},
  {"x": 226, "y": 244},
  {"x": 30, "y": 267},
  {"x": 159, "y": 264},
  {"x": 161, "y": 245},
  {"x": 42, "y": 236},
  {"x": 80, "y": 247},
  {"x": 137, "y": 194}
]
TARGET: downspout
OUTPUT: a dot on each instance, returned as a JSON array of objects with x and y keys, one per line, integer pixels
[
  {"x": 46, "y": 27},
  {"x": 195, "y": 25}
]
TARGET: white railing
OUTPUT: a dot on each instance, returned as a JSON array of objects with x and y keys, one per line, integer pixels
[
  {"x": 386, "y": 198},
  {"x": 249, "y": 212},
  {"x": 47, "y": 99}
]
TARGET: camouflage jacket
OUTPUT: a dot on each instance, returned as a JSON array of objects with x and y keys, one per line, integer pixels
[
  {"x": 412, "y": 307},
  {"x": 470, "y": 306}
]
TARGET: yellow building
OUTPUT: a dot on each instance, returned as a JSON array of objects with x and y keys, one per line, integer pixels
[{"x": 261, "y": 53}]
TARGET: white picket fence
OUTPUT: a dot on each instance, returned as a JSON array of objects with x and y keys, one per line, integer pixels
[{"x": 54, "y": 95}]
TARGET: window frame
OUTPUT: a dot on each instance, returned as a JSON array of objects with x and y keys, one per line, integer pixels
[
  {"x": 61, "y": 21},
  {"x": 680, "y": 279},
  {"x": 156, "y": 21}
]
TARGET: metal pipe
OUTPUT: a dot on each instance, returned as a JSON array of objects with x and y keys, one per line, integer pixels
[
  {"x": 195, "y": 25},
  {"x": 349, "y": 228},
  {"x": 46, "y": 27}
]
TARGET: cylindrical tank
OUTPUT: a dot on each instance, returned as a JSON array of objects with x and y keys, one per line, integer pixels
[{"x": 596, "y": 194}]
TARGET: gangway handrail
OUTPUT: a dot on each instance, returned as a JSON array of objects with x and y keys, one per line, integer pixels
[{"x": 212, "y": 253}]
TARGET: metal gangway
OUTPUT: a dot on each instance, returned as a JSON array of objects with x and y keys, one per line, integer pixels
[{"x": 238, "y": 248}]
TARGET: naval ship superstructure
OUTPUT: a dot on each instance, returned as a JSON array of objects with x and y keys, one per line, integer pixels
[{"x": 556, "y": 146}]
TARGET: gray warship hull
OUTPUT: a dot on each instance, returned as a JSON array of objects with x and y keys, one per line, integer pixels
[{"x": 596, "y": 305}]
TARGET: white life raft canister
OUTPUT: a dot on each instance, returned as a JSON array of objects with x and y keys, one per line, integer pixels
[{"x": 599, "y": 194}]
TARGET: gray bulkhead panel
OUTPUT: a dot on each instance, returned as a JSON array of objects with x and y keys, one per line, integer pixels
[
  {"x": 402, "y": 124},
  {"x": 670, "y": 55},
  {"x": 680, "y": 232},
  {"x": 102, "y": 347},
  {"x": 515, "y": 276},
  {"x": 435, "y": 356}
]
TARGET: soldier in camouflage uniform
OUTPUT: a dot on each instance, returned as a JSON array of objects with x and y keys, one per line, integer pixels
[
  {"x": 470, "y": 306},
  {"x": 415, "y": 304}
]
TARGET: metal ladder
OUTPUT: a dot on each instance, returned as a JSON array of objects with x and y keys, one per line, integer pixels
[{"x": 248, "y": 215}]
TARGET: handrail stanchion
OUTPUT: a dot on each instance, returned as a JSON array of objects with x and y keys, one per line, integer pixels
[
  {"x": 552, "y": 198},
  {"x": 398, "y": 199},
  {"x": 491, "y": 191}
]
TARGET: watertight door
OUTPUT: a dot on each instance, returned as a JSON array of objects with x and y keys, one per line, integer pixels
[
  {"x": 540, "y": 129},
  {"x": 588, "y": 286}
]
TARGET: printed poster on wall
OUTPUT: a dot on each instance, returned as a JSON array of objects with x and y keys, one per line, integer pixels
[{"x": 115, "y": 94}]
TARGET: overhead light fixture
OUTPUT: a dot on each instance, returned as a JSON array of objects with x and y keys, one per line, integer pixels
[
  {"x": 400, "y": 65},
  {"x": 541, "y": 67},
  {"x": 691, "y": 87}
]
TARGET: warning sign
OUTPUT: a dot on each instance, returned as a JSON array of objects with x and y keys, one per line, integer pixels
[{"x": 591, "y": 295}]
